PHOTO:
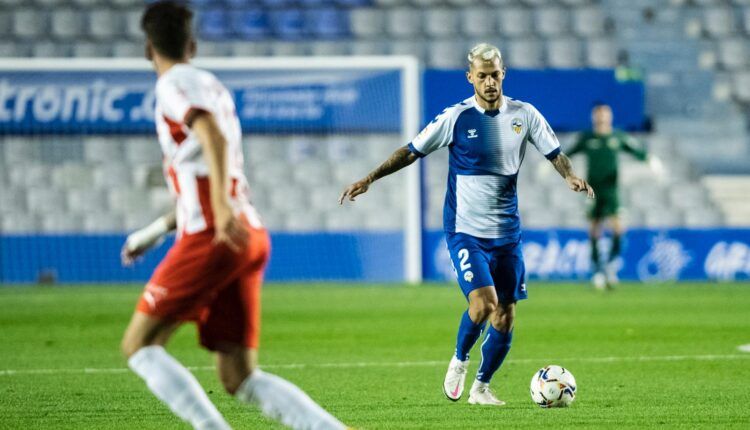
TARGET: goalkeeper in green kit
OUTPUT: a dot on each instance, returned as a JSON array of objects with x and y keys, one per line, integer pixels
[{"x": 601, "y": 147}]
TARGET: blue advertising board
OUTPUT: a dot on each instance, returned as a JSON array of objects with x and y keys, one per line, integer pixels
[
  {"x": 564, "y": 97},
  {"x": 557, "y": 255},
  {"x": 59, "y": 102}
]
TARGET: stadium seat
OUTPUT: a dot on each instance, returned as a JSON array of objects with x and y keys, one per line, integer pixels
[
  {"x": 71, "y": 175},
  {"x": 141, "y": 150},
  {"x": 346, "y": 218},
  {"x": 12, "y": 200},
  {"x": 114, "y": 175},
  {"x": 588, "y": 21},
  {"x": 718, "y": 21},
  {"x": 84, "y": 200},
  {"x": 741, "y": 86},
  {"x": 702, "y": 218},
  {"x": 551, "y": 21},
  {"x": 45, "y": 200},
  {"x": 733, "y": 53},
  {"x": 62, "y": 223},
  {"x": 132, "y": 25},
  {"x": 312, "y": 172},
  {"x": 104, "y": 24},
  {"x": 369, "y": 47},
  {"x": 250, "y": 24},
  {"x": 124, "y": 200},
  {"x": 103, "y": 223},
  {"x": 288, "y": 24},
  {"x": 160, "y": 200},
  {"x": 289, "y": 48},
  {"x": 213, "y": 24},
  {"x": 414, "y": 47},
  {"x": 29, "y": 23},
  {"x": 525, "y": 53},
  {"x": 564, "y": 53},
  {"x": 662, "y": 218},
  {"x": 601, "y": 53},
  {"x": 20, "y": 223},
  {"x": 67, "y": 24},
  {"x": 250, "y": 48},
  {"x": 213, "y": 49},
  {"x": 478, "y": 21},
  {"x": 329, "y": 48},
  {"x": 439, "y": 22},
  {"x": 448, "y": 54},
  {"x": 390, "y": 220},
  {"x": 98, "y": 149},
  {"x": 366, "y": 22},
  {"x": 513, "y": 22},
  {"x": 90, "y": 49},
  {"x": 404, "y": 22},
  {"x": 126, "y": 48},
  {"x": 329, "y": 23},
  {"x": 29, "y": 175},
  {"x": 138, "y": 218},
  {"x": 51, "y": 49},
  {"x": 12, "y": 49},
  {"x": 303, "y": 221}
]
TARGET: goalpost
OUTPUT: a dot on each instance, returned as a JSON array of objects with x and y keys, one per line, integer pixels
[{"x": 54, "y": 111}]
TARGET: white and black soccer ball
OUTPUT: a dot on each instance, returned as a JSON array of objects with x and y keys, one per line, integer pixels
[{"x": 553, "y": 387}]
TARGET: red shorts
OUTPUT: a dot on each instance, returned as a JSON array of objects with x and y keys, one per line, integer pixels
[{"x": 211, "y": 285}]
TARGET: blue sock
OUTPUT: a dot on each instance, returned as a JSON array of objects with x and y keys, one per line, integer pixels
[
  {"x": 494, "y": 349},
  {"x": 468, "y": 333}
]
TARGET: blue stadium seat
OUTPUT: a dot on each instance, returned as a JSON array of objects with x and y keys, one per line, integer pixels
[
  {"x": 212, "y": 24},
  {"x": 327, "y": 23},
  {"x": 288, "y": 24},
  {"x": 277, "y": 3},
  {"x": 250, "y": 24},
  {"x": 353, "y": 3}
]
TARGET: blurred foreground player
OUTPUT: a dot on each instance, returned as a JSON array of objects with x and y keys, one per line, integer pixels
[
  {"x": 213, "y": 273},
  {"x": 486, "y": 135},
  {"x": 601, "y": 147}
]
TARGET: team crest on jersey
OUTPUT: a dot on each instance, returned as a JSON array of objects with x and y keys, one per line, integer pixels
[
  {"x": 517, "y": 125},
  {"x": 472, "y": 133},
  {"x": 613, "y": 143},
  {"x": 468, "y": 276}
]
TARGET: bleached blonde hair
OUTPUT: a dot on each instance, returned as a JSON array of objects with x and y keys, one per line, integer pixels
[{"x": 486, "y": 52}]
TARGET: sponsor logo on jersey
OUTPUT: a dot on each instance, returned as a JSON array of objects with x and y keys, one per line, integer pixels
[
  {"x": 517, "y": 125},
  {"x": 472, "y": 133},
  {"x": 468, "y": 276}
]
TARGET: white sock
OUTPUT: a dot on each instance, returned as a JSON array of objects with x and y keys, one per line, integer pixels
[
  {"x": 285, "y": 402},
  {"x": 174, "y": 385}
]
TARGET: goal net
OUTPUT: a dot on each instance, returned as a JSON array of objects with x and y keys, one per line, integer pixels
[{"x": 80, "y": 165}]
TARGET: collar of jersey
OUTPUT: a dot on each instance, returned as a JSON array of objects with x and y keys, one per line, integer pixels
[{"x": 492, "y": 113}]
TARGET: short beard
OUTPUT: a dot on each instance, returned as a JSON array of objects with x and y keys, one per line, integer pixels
[{"x": 499, "y": 94}]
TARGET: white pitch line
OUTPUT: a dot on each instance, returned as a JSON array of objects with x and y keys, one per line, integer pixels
[
  {"x": 744, "y": 348},
  {"x": 539, "y": 361}
]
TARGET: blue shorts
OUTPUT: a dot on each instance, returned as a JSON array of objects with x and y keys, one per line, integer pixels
[{"x": 482, "y": 262}]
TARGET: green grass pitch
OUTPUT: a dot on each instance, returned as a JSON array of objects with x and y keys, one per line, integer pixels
[{"x": 644, "y": 356}]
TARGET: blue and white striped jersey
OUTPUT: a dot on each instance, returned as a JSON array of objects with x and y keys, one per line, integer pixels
[{"x": 486, "y": 151}]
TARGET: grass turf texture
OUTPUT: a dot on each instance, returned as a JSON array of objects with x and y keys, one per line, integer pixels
[{"x": 72, "y": 328}]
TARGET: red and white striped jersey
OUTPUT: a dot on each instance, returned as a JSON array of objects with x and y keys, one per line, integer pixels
[{"x": 180, "y": 91}]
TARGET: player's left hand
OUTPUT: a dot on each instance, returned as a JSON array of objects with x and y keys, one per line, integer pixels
[
  {"x": 580, "y": 185},
  {"x": 355, "y": 189}
]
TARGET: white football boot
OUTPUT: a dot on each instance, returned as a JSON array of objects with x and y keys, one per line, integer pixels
[
  {"x": 481, "y": 394},
  {"x": 599, "y": 280},
  {"x": 453, "y": 385}
]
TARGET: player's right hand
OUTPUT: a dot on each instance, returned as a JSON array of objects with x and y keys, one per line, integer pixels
[
  {"x": 230, "y": 231},
  {"x": 355, "y": 189}
]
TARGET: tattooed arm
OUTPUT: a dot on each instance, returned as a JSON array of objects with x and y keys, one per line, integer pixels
[
  {"x": 565, "y": 169},
  {"x": 400, "y": 158}
]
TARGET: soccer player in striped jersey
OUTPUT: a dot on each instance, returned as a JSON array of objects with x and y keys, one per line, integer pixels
[
  {"x": 486, "y": 135},
  {"x": 213, "y": 273}
]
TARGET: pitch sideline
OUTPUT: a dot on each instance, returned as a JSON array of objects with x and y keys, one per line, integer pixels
[{"x": 540, "y": 361}]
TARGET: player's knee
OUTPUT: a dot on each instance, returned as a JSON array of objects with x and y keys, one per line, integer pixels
[
  {"x": 232, "y": 381},
  {"x": 481, "y": 310},
  {"x": 129, "y": 346}
]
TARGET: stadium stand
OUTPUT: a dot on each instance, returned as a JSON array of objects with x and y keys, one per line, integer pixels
[{"x": 693, "y": 54}]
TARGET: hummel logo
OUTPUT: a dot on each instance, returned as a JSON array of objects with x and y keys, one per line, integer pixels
[{"x": 472, "y": 133}]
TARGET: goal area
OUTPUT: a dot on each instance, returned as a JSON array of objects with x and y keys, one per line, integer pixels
[{"x": 80, "y": 165}]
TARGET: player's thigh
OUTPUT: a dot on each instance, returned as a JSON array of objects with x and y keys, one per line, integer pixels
[
  {"x": 471, "y": 263},
  {"x": 144, "y": 330},
  {"x": 509, "y": 274}
]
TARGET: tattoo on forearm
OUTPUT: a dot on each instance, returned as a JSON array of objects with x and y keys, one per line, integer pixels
[
  {"x": 562, "y": 165},
  {"x": 400, "y": 158}
]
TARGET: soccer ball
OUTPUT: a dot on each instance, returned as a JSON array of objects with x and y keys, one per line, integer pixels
[{"x": 553, "y": 387}]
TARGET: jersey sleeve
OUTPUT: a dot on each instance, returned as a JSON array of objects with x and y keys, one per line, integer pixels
[
  {"x": 577, "y": 146},
  {"x": 437, "y": 134},
  {"x": 182, "y": 96},
  {"x": 541, "y": 134},
  {"x": 633, "y": 147}
]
